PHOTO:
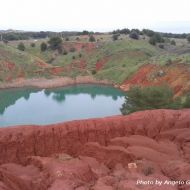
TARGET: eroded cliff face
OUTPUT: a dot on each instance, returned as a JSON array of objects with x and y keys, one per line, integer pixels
[{"x": 98, "y": 154}]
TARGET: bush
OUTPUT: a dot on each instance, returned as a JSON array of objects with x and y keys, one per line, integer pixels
[
  {"x": 156, "y": 38},
  {"x": 154, "y": 97},
  {"x": 188, "y": 38},
  {"x": 43, "y": 46},
  {"x": 161, "y": 46},
  {"x": 134, "y": 35},
  {"x": 80, "y": 55},
  {"x": 55, "y": 43},
  {"x": 115, "y": 37},
  {"x": 73, "y": 57},
  {"x": 92, "y": 38},
  {"x": 72, "y": 49},
  {"x": 32, "y": 44},
  {"x": 65, "y": 52},
  {"x": 152, "y": 41},
  {"x": 67, "y": 39},
  {"x": 93, "y": 72},
  {"x": 186, "y": 104},
  {"x": 173, "y": 42},
  {"x": 21, "y": 46}
]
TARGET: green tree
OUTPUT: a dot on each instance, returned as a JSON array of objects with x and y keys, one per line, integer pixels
[
  {"x": 21, "y": 46},
  {"x": 32, "y": 44},
  {"x": 55, "y": 43},
  {"x": 92, "y": 38},
  {"x": 43, "y": 46},
  {"x": 147, "y": 98},
  {"x": 134, "y": 35},
  {"x": 188, "y": 38},
  {"x": 173, "y": 42},
  {"x": 186, "y": 104},
  {"x": 115, "y": 37}
]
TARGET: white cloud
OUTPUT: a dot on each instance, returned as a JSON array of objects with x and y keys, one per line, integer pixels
[{"x": 91, "y": 14}]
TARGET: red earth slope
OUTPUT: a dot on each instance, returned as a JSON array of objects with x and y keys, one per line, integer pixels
[{"x": 98, "y": 154}]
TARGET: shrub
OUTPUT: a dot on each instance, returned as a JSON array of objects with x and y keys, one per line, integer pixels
[
  {"x": 32, "y": 44},
  {"x": 115, "y": 37},
  {"x": 80, "y": 55},
  {"x": 161, "y": 46},
  {"x": 134, "y": 35},
  {"x": 156, "y": 38},
  {"x": 73, "y": 57},
  {"x": 55, "y": 43},
  {"x": 147, "y": 98},
  {"x": 67, "y": 39},
  {"x": 72, "y": 49},
  {"x": 188, "y": 38},
  {"x": 152, "y": 41},
  {"x": 173, "y": 42},
  {"x": 93, "y": 72},
  {"x": 186, "y": 104},
  {"x": 92, "y": 38},
  {"x": 21, "y": 46},
  {"x": 65, "y": 52},
  {"x": 43, "y": 46}
]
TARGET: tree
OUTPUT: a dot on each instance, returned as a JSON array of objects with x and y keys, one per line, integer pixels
[
  {"x": 32, "y": 44},
  {"x": 173, "y": 42},
  {"x": 43, "y": 46},
  {"x": 188, "y": 38},
  {"x": 134, "y": 35},
  {"x": 55, "y": 43},
  {"x": 147, "y": 98},
  {"x": 21, "y": 46},
  {"x": 115, "y": 37},
  {"x": 152, "y": 41},
  {"x": 92, "y": 38}
]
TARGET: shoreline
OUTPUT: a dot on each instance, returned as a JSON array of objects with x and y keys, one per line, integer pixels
[{"x": 57, "y": 82}]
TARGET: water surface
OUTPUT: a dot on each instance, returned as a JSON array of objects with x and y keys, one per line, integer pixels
[{"x": 31, "y": 106}]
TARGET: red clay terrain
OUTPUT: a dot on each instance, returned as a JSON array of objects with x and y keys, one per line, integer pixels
[
  {"x": 176, "y": 75},
  {"x": 114, "y": 153}
]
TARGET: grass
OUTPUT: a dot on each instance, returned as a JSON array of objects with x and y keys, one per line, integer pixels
[{"x": 124, "y": 56}]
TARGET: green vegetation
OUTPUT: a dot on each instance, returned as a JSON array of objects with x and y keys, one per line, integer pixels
[
  {"x": 154, "y": 97},
  {"x": 134, "y": 35},
  {"x": 55, "y": 43},
  {"x": 21, "y": 46},
  {"x": 43, "y": 46},
  {"x": 92, "y": 38},
  {"x": 188, "y": 38},
  {"x": 173, "y": 42}
]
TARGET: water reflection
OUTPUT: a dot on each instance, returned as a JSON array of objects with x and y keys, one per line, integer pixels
[
  {"x": 92, "y": 90},
  {"x": 9, "y": 97},
  {"x": 32, "y": 106}
]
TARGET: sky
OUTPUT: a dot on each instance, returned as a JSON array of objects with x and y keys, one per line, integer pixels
[{"x": 95, "y": 15}]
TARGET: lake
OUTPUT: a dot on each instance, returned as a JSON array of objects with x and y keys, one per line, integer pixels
[{"x": 34, "y": 106}]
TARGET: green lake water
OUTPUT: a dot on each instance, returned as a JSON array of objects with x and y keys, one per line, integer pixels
[{"x": 31, "y": 106}]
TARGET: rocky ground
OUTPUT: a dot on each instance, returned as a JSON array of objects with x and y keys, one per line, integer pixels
[{"x": 114, "y": 153}]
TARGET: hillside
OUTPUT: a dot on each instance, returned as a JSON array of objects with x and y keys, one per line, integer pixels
[{"x": 118, "y": 61}]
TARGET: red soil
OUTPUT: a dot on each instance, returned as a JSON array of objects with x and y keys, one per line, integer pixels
[
  {"x": 98, "y": 154},
  {"x": 177, "y": 76},
  {"x": 100, "y": 64}
]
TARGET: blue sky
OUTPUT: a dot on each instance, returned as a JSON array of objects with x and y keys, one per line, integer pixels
[{"x": 96, "y": 15}]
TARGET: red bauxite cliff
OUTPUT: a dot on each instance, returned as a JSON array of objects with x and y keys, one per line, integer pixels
[{"x": 112, "y": 153}]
